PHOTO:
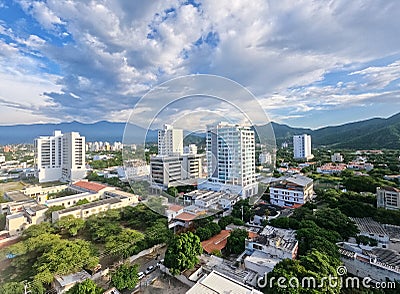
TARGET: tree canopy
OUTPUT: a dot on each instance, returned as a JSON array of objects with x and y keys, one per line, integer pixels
[
  {"x": 182, "y": 252},
  {"x": 85, "y": 287},
  {"x": 125, "y": 276}
]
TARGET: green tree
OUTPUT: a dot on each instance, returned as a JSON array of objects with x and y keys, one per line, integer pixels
[
  {"x": 37, "y": 230},
  {"x": 335, "y": 220},
  {"x": 173, "y": 191},
  {"x": 100, "y": 228},
  {"x": 235, "y": 243},
  {"x": 12, "y": 288},
  {"x": 85, "y": 287},
  {"x": 81, "y": 202},
  {"x": 204, "y": 233},
  {"x": 125, "y": 243},
  {"x": 242, "y": 210},
  {"x": 51, "y": 209},
  {"x": 125, "y": 276},
  {"x": 182, "y": 252},
  {"x": 70, "y": 224},
  {"x": 158, "y": 233}
]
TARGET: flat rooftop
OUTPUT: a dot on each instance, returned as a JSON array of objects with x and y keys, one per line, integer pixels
[
  {"x": 278, "y": 238},
  {"x": 16, "y": 196},
  {"x": 90, "y": 205},
  {"x": 216, "y": 283},
  {"x": 68, "y": 198},
  {"x": 72, "y": 278}
]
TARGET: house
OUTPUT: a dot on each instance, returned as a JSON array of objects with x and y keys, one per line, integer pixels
[
  {"x": 268, "y": 248},
  {"x": 216, "y": 243},
  {"x": 330, "y": 169},
  {"x": 30, "y": 215},
  {"x": 291, "y": 191}
]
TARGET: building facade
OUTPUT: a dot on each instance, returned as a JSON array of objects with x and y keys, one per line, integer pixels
[
  {"x": 388, "y": 197},
  {"x": 170, "y": 141},
  {"x": 231, "y": 159},
  {"x": 60, "y": 157},
  {"x": 302, "y": 147},
  {"x": 292, "y": 191}
]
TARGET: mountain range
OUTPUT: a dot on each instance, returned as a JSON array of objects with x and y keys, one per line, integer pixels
[{"x": 367, "y": 134}]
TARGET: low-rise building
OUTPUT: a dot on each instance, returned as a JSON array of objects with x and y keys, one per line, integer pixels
[
  {"x": 330, "y": 169},
  {"x": 378, "y": 264},
  {"x": 372, "y": 229},
  {"x": 63, "y": 283},
  {"x": 388, "y": 197},
  {"x": 30, "y": 215},
  {"x": 268, "y": 248},
  {"x": 216, "y": 282},
  {"x": 291, "y": 191}
]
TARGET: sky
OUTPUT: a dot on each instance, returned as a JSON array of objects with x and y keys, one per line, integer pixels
[{"x": 308, "y": 63}]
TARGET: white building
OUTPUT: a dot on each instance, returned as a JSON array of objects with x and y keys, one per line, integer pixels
[
  {"x": 60, "y": 157},
  {"x": 170, "y": 141},
  {"x": 388, "y": 197},
  {"x": 293, "y": 191},
  {"x": 337, "y": 157},
  {"x": 166, "y": 170},
  {"x": 231, "y": 159},
  {"x": 265, "y": 158},
  {"x": 269, "y": 248},
  {"x": 302, "y": 147}
]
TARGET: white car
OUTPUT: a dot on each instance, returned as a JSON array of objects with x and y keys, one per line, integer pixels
[
  {"x": 140, "y": 275},
  {"x": 149, "y": 269}
]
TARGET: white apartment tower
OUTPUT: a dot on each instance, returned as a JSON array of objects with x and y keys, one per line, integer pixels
[
  {"x": 60, "y": 157},
  {"x": 170, "y": 141},
  {"x": 231, "y": 159},
  {"x": 302, "y": 147}
]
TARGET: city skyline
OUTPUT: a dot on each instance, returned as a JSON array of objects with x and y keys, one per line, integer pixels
[{"x": 309, "y": 64}]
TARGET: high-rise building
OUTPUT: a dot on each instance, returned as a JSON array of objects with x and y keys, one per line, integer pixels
[
  {"x": 302, "y": 147},
  {"x": 60, "y": 157},
  {"x": 231, "y": 159},
  {"x": 170, "y": 141}
]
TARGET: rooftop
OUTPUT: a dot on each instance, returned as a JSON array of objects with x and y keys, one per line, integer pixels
[
  {"x": 215, "y": 283},
  {"x": 391, "y": 189},
  {"x": 185, "y": 216},
  {"x": 90, "y": 205},
  {"x": 369, "y": 226},
  {"x": 175, "y": 207},
  {"x": 72, "y": 278},
  {"x": 16, "y": 196},
  {"x": 218, "y": 242},
  {"x": 279, "y": 238},
  {"x": 91, "y": 186}
]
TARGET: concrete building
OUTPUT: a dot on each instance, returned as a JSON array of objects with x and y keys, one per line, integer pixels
[
  {"x": 170, "y": 141},
  {"x": 167, "y": 170},
  {"x": 291, "y": 191},
  {"x": 63, "y": 283},
  {"x": 216, "y": 282},
  {"x": 30, "y": 215},
  {"x": 372, "y": 229},
  {"x": 378, "y": 264},
  {"x": 269, "y": 248},
  {"x": 388, "y": 197},
  {"x": 60, "y": 157},
  {"x": 231, "y": 159},
  {"x": 302, "y": 147},
  {"x": 337, "y": 157}
]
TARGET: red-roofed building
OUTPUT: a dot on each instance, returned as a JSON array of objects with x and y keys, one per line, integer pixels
[
  {"x": 85, "y": 186},
  {"x": 218, "y": 242}
]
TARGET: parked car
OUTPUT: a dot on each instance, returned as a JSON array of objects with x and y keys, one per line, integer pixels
[
  {"x": 140, "y": 275},
  {"x": 149, "y": 269}
]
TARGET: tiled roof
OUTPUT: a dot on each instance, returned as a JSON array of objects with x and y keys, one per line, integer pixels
[
  {"x": 91, "y": 186},
  {"x": 218, "y": 242},
  {"x": 175, "y": 208},
  {"x": 185, "y": 216}
]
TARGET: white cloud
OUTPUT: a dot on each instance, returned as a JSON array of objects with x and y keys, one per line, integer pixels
[{"x": 278, "y": 49}]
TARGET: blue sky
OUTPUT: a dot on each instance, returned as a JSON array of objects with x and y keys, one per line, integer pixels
[{"x": 309, "y": 63}]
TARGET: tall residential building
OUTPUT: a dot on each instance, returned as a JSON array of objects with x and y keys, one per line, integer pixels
[
  {"x": 170, "y": 141},
  {"x": 60, "y": 157},
  {"x": 302, "y": 147},
  {"x": 292, "y": 191},
  {"x": 231, "y": 159}
]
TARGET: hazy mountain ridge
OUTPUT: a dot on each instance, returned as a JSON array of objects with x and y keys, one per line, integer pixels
[{"x": 367, "y": 134}]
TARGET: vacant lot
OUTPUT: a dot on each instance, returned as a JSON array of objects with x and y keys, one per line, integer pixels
[{"x": 10, "y": 186}]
